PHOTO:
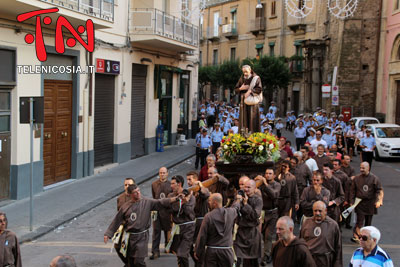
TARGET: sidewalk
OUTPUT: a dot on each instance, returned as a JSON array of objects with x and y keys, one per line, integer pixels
[{"x": 63, "y": 203}]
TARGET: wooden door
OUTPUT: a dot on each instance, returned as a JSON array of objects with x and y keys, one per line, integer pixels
[{"x": 57, "y": 131}]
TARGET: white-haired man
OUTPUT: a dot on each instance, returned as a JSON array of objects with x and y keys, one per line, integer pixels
[{"x": 370, "y": 254}]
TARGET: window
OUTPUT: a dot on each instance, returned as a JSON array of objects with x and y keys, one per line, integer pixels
[
  {"x": 5, "y": 111},
  {"x": 301, "y": 4},
  {"x": 7, "y": 67},
  {"x": 396, "y": 4},
  {"x": 273, "y": 8},
  {"x": 200, "y": 58},
  {"x": 233, "y": 53},
  {"x": 215, "y": 57},
  {"x": 272, "y": 49},
  {"x": 259, "y": 52},
  {"x": 260, "y": 11},
  {"x": 216, "y": 23},
  {"x": 298, "y": 64},
  {"x": 234, "y": 20}
]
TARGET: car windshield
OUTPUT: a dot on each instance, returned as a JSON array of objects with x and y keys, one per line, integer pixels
[
  {"x": 388, "y": 132},
  {"x": 365, "y": 122}
]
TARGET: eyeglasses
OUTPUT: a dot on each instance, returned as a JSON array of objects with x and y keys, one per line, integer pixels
[{"x": 364, "y": 238}]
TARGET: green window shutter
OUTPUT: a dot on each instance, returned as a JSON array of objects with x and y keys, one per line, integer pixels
[
  {"x": 297, "y": 43},
  {"x": 271, "y": 43},
  {"x": 233, "y": 9},
  {"x": 258, "y": 46}
]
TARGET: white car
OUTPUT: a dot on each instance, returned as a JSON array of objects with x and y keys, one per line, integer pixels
[
  {"x": 387, "y": 138},
  {"x": 360, "y": 121}
]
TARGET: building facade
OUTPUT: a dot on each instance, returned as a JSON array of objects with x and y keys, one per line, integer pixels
[
  {"x": 141, "y": 74},
  {"x": 388, "y": 83},
  {"x": 314, "y": 46}
]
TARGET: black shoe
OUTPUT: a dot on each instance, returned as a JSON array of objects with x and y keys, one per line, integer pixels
[
  {"x": 269, "y": 259},
  {"x": 155, "y": 256}
]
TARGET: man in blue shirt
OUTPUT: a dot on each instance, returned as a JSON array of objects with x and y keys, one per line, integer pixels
[
  {"x": 271, "y": 118},
  {"x": 225, "y": 124},
  {"x": 368, "y": 145},
  {"x": 300, "y": 133},
  {"x": 205, "y": 145},
  {"x": 216, "y": 137},
  {"x": 370, "y": 254},
  {"x": 328, "y": 137},
  {"x": 273, "y": 107}
]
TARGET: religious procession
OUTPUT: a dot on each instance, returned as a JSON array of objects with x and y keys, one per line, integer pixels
[{"x": 255, "y": 190}]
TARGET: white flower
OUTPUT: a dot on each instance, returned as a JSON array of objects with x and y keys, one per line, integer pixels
[
  {"x": 225, "y": 147},
  {"x": 271, "y": 146},
  {"x": 260, "y": 148}
]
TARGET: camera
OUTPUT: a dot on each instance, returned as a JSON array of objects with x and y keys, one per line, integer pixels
[
  {"x": 185, "y": 192},
  {"x": 241, "y": 192}
]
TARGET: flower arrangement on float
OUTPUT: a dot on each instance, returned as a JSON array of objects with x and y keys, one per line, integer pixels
[{"x": 261, "y": 146}]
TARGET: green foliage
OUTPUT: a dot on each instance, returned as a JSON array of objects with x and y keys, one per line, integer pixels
[
  {"x": 228, "y": 74},
  {"x": 273, "y": 71}
]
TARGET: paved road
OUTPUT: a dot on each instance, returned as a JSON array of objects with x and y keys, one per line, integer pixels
[{"x": 83, "y": 236}]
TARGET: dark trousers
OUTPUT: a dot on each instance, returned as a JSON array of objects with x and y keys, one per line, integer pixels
[
  {"x": 196, "y": 164},
  {"x": 136, "y": 262},
  {"x": 299, "y": 143},
  {"x": 368, "y": 156},
  {"x": 117, "y": 248},
  {"x": 278, "y": 133},
  {"x": 362, "y": 220},
  {"x": 156, "y": 238},
  {"x": 268, "y": 229},
  {"x": 203, "y": 156},
  {"x": 216, "y": 145},
  {"x": 183, "y": 262},
  {"x": 248, "y": 262},
  {"x": 197, "y": 263}
]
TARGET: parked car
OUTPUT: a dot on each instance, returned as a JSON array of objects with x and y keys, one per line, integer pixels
[
  {"x": 360, "y": 121},
  {"x": 387, "y": 137}
]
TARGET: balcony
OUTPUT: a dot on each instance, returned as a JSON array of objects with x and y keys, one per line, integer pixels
[
  {"x": 213, "y": 33},
  {"x": 230, "y": 30},
  {"x": 258, "y": 25},
  {"x": 155, "y": 28},
  {"x": 296, "y": 64},
  {"x": 101, "y": 12},
  {"x": 297, "y": 25}
]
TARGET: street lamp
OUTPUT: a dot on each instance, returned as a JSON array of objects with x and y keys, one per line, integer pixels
[{"x": 259, "y": 5}]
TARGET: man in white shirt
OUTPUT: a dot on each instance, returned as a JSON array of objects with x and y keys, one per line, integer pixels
[
  {"x": 300, "y": 133},
  {"x": 235, "y": 128},
  {"x": 317, "y": 141}
]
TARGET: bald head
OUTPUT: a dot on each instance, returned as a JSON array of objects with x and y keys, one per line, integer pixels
[
  {"x": 63, "y": 261},
  {"x": 242, "y": 182},
  {"x": 319, "y": 211},
  {"x": 215, "y": 201},
  {"x": 364, "y": 168},
  {"x": 163, "y": 173},
  {"x": 250, "y": 187}
]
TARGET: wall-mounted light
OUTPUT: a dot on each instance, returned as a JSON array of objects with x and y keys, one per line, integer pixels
[
  {"x": 259, "y": 5},
  {"x": 145, "y": 59},
  {"x": 189, "y": 66}
]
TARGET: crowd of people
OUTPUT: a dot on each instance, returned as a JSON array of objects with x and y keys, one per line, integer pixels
[{"x": 219, "y": 223}]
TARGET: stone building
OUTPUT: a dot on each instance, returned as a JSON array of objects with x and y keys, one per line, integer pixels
[{"x": 315, "y": 45}]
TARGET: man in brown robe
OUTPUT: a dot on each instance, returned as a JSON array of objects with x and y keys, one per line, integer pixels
[
  {"x": 125, "y": 197},
  {"x": 346, "y": 185},
  {"x": 10, "y": 254},
  {"x": 247, "y": 243},
  {"x": 313, "y": 193},
  {"x": 303, "y": 177},
  {"x": 323, "y": 237},
  {"x": 249, "y": 116},
  {"x": 200, "y": 209},
  {"x": 346, "y": 168},
  {"x": 216, "y": 234},
  {"x": 368, "y": 188},
  {"x": 162, "y": 218},
  {"x": 334, "y": 186},
  {"x": 135, "y": 216},
  {"x": 321, "y": 158},
  {"x": 221, "y": 186},
  {"x": 183, "y": 217},
  {"x": 121, "y": 200},
  {"x": 270, "y": 192},
  {"x": 288, "y": 196},
  {"x": 290, "y": 251}
]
